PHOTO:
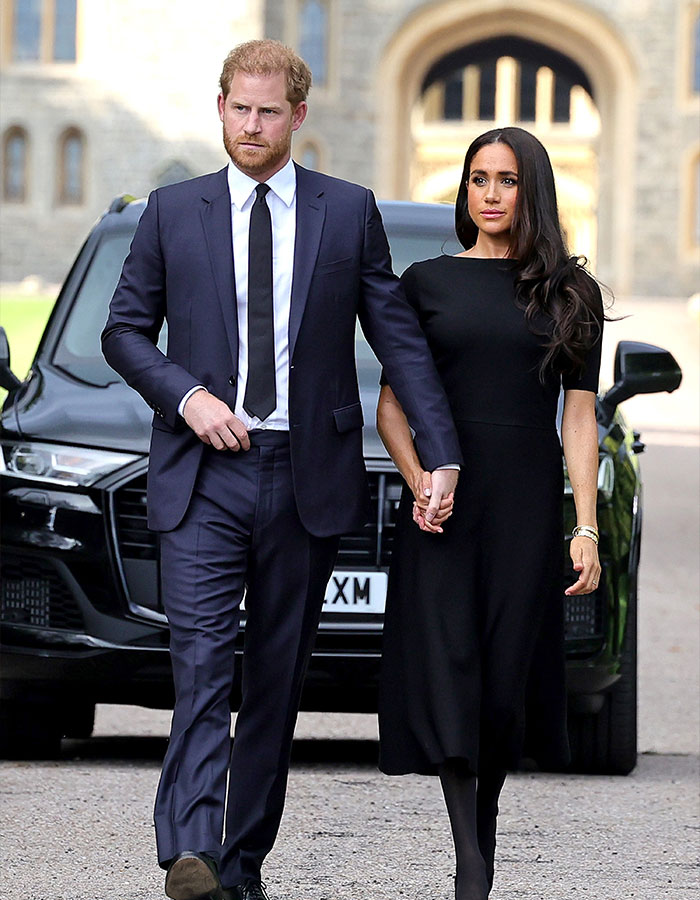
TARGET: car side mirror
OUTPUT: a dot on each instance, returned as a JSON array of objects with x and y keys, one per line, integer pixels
[
  {"x": 8, "y": 379},
  {"x": 639, "y": 369}
]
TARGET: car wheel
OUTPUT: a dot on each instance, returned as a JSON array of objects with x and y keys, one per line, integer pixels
[
  {"x": 29, "y": 730},
  {"x": 78, "y": 721},
  {"x": 606, "y": 743}
]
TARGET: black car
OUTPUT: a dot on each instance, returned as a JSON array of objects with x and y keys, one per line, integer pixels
[{"x": 80, "y": 613}]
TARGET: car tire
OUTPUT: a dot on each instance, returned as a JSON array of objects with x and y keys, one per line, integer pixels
[
  {"x": 605, "y": 743},
  {"x": 78, "y": 721},
  {"x": 29, "y": 730}
]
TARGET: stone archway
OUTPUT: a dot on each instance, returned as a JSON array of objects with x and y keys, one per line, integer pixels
[{"x": 585, "y": 36}]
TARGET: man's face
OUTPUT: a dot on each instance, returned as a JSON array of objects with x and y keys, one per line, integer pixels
[{"x": 258, "y": 123}]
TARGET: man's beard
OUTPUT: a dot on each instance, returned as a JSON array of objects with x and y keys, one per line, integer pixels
[{"x": 266, "y": 157}]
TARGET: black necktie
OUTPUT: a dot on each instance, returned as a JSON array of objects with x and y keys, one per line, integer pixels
[{"x": 260, "y": 394}]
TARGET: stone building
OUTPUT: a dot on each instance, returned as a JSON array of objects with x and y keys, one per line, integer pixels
[{"x": 101, "y": 97}]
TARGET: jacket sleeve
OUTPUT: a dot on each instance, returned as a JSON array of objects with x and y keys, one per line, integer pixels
[
  {"x": 393, "y": 331},
  {"x": 136, "y": 315}
]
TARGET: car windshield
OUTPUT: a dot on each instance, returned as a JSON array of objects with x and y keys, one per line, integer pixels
[{"x": 78, "y": 349}]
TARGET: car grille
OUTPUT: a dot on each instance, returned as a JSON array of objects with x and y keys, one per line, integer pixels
[
  {"x": 371, "y": 546},
  {"x": 135, "y": 540},
  {"x": 585, "y": 618},
  {"x": 368, "y": 547},
  {"x": 35, "y": 593}
]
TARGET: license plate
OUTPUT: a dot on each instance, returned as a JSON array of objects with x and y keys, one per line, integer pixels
[{"x": 356, "y": 592}]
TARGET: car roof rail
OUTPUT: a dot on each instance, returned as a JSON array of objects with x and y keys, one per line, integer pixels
[{"x": 121, "y": 202}]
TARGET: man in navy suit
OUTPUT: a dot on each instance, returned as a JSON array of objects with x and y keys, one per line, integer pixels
[{"x": 256, "y": 462}]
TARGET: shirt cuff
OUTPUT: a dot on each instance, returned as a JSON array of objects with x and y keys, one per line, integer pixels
[
  {"x": 181, "y": 404},
  {"x": 449, "y": 466}
]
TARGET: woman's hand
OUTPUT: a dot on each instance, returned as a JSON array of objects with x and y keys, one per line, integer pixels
[
  {"x": 421, "y": 485},
  {"x": 584, "y": 556}
]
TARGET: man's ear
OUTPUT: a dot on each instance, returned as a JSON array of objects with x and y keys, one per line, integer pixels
[
  {"x": 221, "y": 104},
  {"x": 299, "y": 114}
]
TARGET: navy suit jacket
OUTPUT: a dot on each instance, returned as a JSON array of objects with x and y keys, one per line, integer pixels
[{"x": 180, "y": 268}]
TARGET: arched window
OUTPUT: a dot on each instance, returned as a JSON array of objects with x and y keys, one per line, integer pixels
[
  {"x": 501, "y": 79},
  {"x": 14, "y": 163},
  {"x": 308, "y": 155},
  {"x": 313, "y": 37},
  {"x": 71, "y": 166}
]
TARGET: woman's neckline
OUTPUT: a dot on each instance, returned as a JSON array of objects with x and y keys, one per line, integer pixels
[{"x": 502, "y": 259}]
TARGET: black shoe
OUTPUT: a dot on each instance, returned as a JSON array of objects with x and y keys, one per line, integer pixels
[
  {"x": 248, "y": 890},
  {"x": 193, "y": 876}
]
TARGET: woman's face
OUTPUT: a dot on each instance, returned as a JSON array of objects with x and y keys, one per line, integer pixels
[{"x": 492, "y": 189}]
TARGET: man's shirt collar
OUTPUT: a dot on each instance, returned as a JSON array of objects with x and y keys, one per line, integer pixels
[{"x": 282, "y": 183}]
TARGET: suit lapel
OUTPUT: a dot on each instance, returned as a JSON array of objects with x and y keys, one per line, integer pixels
[
  {"x": 311, "y": 214},
  {"x": 216, "y": 221}
]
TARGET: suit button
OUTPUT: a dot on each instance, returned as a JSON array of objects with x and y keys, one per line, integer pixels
[{"x": 232, "y": 381}]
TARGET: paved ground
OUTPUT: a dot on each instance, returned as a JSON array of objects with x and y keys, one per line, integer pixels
[{"x": 80, "y": 828}]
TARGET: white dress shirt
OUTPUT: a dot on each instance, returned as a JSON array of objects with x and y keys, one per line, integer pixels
[{"x": 282, "y": 203}]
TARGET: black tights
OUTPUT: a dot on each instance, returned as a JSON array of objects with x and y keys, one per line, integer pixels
[{"x": 472, "y": 805}]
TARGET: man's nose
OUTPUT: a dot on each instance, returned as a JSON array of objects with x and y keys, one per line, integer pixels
[{"x": 252, "y": 125}]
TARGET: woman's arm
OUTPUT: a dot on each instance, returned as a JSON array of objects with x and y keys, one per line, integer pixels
[
  {"x": 395, "y": 433},
  {"x": 579, "y": 433}
]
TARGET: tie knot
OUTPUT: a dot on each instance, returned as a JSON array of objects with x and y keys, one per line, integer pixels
[{"x": 261, "y": 190}]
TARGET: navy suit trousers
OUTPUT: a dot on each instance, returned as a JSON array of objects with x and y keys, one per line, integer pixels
[{"x": 241, "y": 532}]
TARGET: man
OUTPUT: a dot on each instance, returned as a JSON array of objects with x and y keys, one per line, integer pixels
[{"x": 256, "y": 456}]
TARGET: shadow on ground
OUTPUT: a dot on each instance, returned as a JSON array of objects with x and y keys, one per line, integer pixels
[{"x": 305, "y": 751}]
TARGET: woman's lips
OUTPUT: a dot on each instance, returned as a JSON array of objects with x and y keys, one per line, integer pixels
[{"x": 492, "y": 213}]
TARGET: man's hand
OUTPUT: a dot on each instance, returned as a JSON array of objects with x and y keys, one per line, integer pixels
[{"x": 214, "y": 423}]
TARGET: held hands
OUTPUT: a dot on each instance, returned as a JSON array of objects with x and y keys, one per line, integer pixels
[
  {"x": 584, "y": 555},
  {"x": 214, "y": 423},
  {"x": 434, "y": 498}
]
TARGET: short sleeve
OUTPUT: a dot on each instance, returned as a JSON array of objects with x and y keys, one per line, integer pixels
[
  {"x": 410, "y": 288},
  {"x": 587, "y": 379}
]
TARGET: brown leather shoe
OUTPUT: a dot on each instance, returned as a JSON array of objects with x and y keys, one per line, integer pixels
[{"x": 193, "y": 876}]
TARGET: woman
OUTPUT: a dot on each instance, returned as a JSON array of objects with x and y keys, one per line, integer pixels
[{"x": 473, "y": 668}]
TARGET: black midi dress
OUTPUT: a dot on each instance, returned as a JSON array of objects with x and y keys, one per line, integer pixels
[{"x": 473, "y": 656}]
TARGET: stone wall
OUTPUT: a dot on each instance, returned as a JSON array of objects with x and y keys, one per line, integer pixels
[{"x": 144, "y": 90}]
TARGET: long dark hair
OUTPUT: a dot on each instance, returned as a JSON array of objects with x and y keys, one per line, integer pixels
[{"x": 549, "y": 281}]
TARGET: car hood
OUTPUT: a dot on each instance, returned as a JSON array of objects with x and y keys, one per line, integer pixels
[{"x": 53, "y": 406}]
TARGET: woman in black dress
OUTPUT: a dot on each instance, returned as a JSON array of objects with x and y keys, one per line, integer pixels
[{"x": 473, "y": 665}]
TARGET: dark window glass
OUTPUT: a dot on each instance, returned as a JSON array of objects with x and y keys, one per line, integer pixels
[
  {"x": 528, "y": 91},
  {"x": 487, "y": 91},
  {"x": 15, "y": 166},
  {"x": 71, "y": 168},
  {"x": 562, "y": 99},
  {"x": 454, "y": 96},
  {"x": 313, "y": 38},
  {"x": 64, "y": 30},
  {"x": 78, "y": 351},
  {"x": 26, "y": 37}
]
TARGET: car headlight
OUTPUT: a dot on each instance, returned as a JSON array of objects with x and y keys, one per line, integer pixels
[{"x": 58, "y": 464}]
